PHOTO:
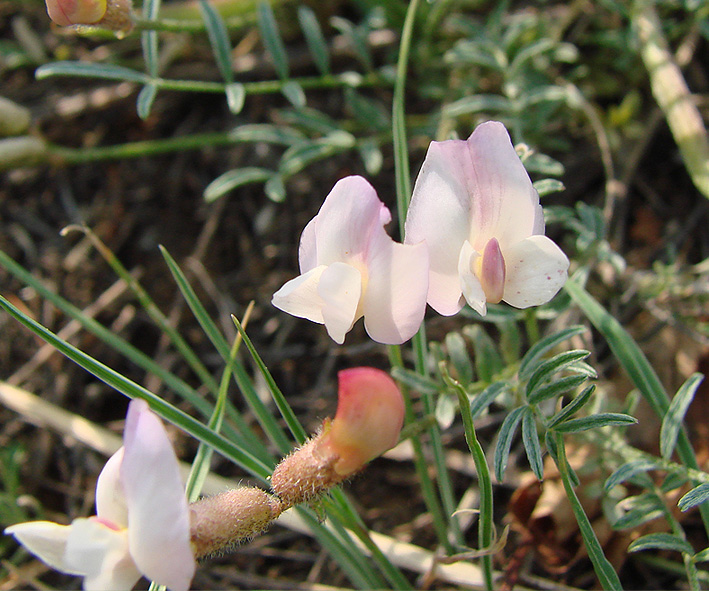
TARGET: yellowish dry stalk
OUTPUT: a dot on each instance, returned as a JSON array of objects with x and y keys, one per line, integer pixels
[
  {"x": 25, "y": 150},
  {"x": 672, "y": 95},
  {"x": 14, "y": 118}
]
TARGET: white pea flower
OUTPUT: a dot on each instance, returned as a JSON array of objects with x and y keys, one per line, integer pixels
[
  {"x": 476, "y": 208},
  {"x": 142, "y": 522},
  {"x": 351, "y": 268}
]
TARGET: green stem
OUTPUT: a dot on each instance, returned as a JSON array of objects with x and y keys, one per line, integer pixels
[
  {"x": 403, "y": 197},
  {"x": 63, "y": 156},
  {"x": 690, "y": 567},
  {"x": 401, "y": 151},
  {"x": 350, "y": 519},
  {"x": 485, "y": 527},
  {"x": 427, "y": 488},
  {"x": 638, "y": 368},
  {"x": 172, "y": 25},
  {"x": 604, "y": 570}
]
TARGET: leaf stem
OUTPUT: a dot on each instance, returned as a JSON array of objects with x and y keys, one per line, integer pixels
[
  {"x": 485, "y": 529},
  {"x": 604, "y": 569}
]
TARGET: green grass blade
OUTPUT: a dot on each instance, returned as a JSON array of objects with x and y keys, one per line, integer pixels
[
  {"x": 89, "y": 70},
  {"x": 149, "y": 39},
  {"x": 272, "y": 39},
  {"x": 108, "y": 337},
  {"x": 233, "y": 179},
  {"x": 638, "y": 368},
  {"x": 530, "y": 440},
  {"x": 218, "y": 39},
  {"x": 263, "y": 414},
  {"x": 672, "y": 422},
  {"x": 543, "y": 346},
  {"x": 604, "y": 569},
  {"x": 315, "y": 39},
  {"x": 146, "y": 98},
  {"x": 151, "y": 309},
  {"x": 132, "y": 390},
  {"x": 284, "y": 408},
  {"x": 201, "y": 463},
  {"x": 504, "y": 441}
]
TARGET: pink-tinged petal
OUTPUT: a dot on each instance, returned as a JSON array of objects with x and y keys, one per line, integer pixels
[
  {"x": 110, "y": 498},
  {"x": 505, "y": 204},
  {"x": 308, "y": 250},
  {"x": 346, "y": 220},
  {"x": 370, "y": 414},
  {"x": 158, "y": 515},
  {"x": 76, "y": 12},
  {"x": 340, "y": 288},
  {"x": 46, "y": 540},
  {"x": 536, "y": 271},
  {"x": 101, "y": 555},
  {"x": 492, "y": 272},
  {"x": 300, "y": 296},
  {"x": 439, "y": 213},
  {"x": 469, "y": 283},
  {"x": 394, "y": 301}
]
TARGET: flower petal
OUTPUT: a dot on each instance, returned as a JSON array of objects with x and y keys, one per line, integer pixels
[
  {"x": 101, "y": 555},
  {"x": 370, "y": 414},
  {"x": 340, "y": 288},
  {"x": 346, "y": 220},
  {"x": 110, "y": 498},
  {"x": 470, "y": 284},
  {"x": 46, "y": 540},
  {"x": 536, "y": 271},
  {"x": 394, "y": 302},
  {"x": 505, "y": 204},
  {"x": 158, "y": 515},
  {"x": 308, "y": 250},
  {"x": 300, "y": 296},
  {"x": 439, "y": 213}
]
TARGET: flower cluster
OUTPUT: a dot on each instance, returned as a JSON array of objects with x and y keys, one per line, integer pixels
[
  {"x": 474, "y": 233},
  {"x": 143, "y": 525}
]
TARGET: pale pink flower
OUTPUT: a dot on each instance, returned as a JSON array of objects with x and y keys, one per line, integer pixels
[
  {"x": 351, "y": 268},
  {"x": 475, "y": 206},
  {"x": 142, "y": 525},
  {"x": 76, "y": 12}
]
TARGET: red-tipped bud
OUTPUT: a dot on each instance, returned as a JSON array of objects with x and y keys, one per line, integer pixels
[
  {"x": 76, "y": 12},
  {"x": 370, "y": 414}
]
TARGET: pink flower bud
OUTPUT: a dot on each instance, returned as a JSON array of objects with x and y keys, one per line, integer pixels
[
  {"x": 370, "y": 414},
  {"x": 76, "y": 12}
]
